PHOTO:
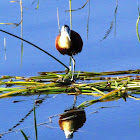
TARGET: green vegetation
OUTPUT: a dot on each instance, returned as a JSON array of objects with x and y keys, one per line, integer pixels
[{"x": 103, "y": 85}]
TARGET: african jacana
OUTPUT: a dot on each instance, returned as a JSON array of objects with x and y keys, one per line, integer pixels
[{"x": 69, "y": 42}]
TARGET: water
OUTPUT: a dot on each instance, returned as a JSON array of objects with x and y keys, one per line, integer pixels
[{"x": 40, "y": 27}]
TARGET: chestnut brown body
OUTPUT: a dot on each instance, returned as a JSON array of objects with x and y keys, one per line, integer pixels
[{"x": 69, "y": 47}]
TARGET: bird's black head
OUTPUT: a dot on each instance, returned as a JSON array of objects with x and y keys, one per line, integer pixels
[{"x": 66, "y": 26}]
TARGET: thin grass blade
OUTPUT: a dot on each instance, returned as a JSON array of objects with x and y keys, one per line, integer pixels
[
  {"x": 109, "y": 30},
  {"x": 88, "y": 18},
  {"x": 35, "y": 123},
  {"x": 21, "y": 11},
  {"x": 78, "y": 8},
  {"x": 12, "y": 92},
  {"x": 139, "y": 10},
  {"x": 137, "y": 28},
  {"x": 5, "y": 47},
  {"x": 9, "y": 23},
  {"x": 37, "y": 5},
  {"x": 70, "y": 14},
  {"x": 58, "y": 20},
  {"x": 112, "y": 23},
  {"x": 137, "y": 25},
  {"x": 115, "y": 15},
  {"x": 25, "y": 137}
]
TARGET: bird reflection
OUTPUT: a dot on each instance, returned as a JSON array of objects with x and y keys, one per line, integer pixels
[{"x": 71, "y": 120}]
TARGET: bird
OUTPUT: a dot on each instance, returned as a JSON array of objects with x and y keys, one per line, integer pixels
[{"x": 70, "y": 43}]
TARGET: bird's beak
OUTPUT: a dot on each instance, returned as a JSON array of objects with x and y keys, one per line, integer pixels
[{"x": 68, "y": 35}]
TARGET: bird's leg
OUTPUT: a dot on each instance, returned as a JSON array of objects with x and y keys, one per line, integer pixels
[
  {"x": 70, "y": 65},
  {"x": 73, "y": 60},
  {"x": 70, "y": 71}
]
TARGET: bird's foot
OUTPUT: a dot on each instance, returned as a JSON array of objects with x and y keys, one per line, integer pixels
[
  {"x": 65, "y": 81},
  {"x": 73, "y": 79}
]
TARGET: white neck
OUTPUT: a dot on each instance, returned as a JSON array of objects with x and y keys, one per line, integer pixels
[
  {"x": 63, "y": 34},
  {"x": 64, "y": 40}
]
